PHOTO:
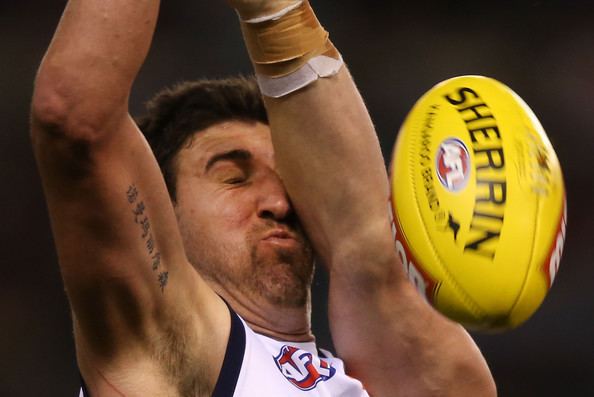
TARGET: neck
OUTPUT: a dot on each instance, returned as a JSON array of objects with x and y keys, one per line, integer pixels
[{"x": 275, "y": 321}]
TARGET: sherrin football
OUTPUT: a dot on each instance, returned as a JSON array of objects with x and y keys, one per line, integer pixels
[{"x": 478, "y": 202}]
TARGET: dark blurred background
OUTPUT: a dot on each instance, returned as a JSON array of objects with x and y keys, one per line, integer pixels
[{"x": 543, "y": 49}]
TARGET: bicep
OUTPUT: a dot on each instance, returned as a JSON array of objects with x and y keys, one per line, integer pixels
[{"x": 115, "y": 232}]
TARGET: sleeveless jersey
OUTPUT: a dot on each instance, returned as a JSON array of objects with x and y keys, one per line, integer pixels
[{"x": 258, "y": 366}]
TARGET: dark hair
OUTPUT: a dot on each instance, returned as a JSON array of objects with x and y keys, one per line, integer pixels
[{"x": 175, "y": 114}]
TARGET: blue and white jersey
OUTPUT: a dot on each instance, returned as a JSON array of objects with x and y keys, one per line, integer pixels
[{"x": 259, "y": 366}]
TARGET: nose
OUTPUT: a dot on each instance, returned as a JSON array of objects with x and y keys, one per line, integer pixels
[{"x": 273, "y": 200}]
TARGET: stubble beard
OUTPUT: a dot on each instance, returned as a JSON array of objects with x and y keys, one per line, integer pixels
[
  {"x": 279, "y": 276},
  {"x": 283, "y": 279}
]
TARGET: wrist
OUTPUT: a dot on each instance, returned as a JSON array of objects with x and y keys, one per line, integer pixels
[{"x": 289, "y": 49}]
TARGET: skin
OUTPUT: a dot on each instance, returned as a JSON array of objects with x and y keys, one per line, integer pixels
[
  {"x": 144, "y": 289},
  {"x": 240, "y": 230}
]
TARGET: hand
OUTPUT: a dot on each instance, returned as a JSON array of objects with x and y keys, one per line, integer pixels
[{"x": 249, "y": 9}]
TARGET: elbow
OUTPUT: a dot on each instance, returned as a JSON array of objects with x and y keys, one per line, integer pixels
[
  {"x": 49, "y": 111},
  {"x": 457, "y": 368},
  {"x": 54, "y": 116},
  {"x": 483, "y": 385},
  {"x": 69, "y": 111},
  {"x": 472, "y": 377},
  {"x": 490, "y": 388}
]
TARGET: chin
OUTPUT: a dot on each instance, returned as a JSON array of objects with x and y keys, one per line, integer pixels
[{"x": 283, "y": 287}]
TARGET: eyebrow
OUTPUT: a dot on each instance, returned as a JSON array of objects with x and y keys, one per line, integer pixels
[{"x": 235, "y": 154}]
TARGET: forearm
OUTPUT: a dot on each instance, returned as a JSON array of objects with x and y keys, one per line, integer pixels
[
  {"x": 330, "y": 161},
  {"x": 88, "y": 70},
  {"x": 325, "y": 145}
]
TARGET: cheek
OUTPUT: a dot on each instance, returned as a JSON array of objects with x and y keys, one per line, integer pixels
[
  {"x": 231, "y": 219},
  {"x": 232, "y": 210},
  {"x": 224, "y": 218}
]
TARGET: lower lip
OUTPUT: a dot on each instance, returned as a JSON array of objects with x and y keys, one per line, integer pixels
[{"x": 281, "y": 242}]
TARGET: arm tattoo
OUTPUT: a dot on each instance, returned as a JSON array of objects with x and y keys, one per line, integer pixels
[
  {"x": 140, "y": 218},
  {"x": 163, "y": 278}
]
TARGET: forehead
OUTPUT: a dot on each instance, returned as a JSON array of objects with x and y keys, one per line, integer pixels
[{"x": 231, "y": 135}]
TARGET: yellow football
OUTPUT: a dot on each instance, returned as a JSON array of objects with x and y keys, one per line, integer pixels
[{"x": 478, "y": 202}]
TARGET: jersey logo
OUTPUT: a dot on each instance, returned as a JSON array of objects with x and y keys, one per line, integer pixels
[{"x": 303, "y": 369}]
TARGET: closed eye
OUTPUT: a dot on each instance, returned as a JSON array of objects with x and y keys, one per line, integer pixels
[
  {"x": 231, "y": 167},
  {"x": 235, "y": 155},
  {"x": 230, "y": 173},
  {"x": 235, "y": 180}
]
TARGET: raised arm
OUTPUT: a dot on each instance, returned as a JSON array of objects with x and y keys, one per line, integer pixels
[
  {"x": 330, "y": 161},
  {"x": 118, "y": 244}
]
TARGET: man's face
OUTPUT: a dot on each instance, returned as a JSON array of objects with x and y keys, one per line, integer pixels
[{"x": 236, "y": 220}]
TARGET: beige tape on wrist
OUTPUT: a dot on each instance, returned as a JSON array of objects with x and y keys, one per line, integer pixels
[{"x": 289, "y": 50}]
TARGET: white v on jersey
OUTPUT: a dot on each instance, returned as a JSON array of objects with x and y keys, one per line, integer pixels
[{"x": 258, "y": 366}]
